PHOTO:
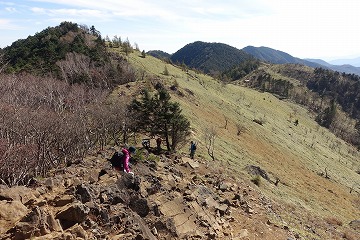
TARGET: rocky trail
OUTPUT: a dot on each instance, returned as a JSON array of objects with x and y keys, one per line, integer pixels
[{"x": 171, "y": 197}]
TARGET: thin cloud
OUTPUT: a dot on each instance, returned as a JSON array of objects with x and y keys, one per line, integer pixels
[
  {"x": 302, "y": 28},
  {"x": 69, "y": 12},
  {"x": 11, "y": 10},
  {"x": 8, "y": 24}
]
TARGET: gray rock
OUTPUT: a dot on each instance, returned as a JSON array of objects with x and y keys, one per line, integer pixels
[
  {"x": 223, "y": 187},
  {"x": 140, "y": 206},
  {"x": 73, "y": 214},
  {"x": 355, "y": 224},
  {"x": 84, "y": 193}
]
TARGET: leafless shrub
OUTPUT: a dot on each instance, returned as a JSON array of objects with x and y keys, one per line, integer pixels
[
  {"x": 210, "y": 136},
  {"x": 44, "y": 123},
  {"x": 78, "y": 68},
  {"x": 226, "y": 121},
  {"x": 3, "y": 63},
  {"x": 240, "y": 129}
]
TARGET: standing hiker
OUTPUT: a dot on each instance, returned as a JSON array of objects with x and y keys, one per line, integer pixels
[{"x": 192, "y": 149}]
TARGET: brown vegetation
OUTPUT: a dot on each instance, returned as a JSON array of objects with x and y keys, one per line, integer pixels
[{"x": 46, "y": 123}]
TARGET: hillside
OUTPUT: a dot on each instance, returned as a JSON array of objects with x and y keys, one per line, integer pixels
[
  {"x": 210, "y": 58},
  {"x": 276, "y": 174},
  {"x": 282, "y": 149},
  {"x": 233, "y": 197}
]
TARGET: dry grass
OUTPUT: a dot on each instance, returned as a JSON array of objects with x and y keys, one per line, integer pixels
[
  {"x": 333, "y": 221},
  {"x": 350, "y": 236},
  {"x": 294, "y": 154}
]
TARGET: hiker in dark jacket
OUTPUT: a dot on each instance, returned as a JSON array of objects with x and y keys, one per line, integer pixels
[{"x": 192, "y": 149}]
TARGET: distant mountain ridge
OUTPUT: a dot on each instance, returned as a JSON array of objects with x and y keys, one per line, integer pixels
[
  {"x": 279, "y": 57},
  {"x": 218, "y": 57},
  {"x": 347, "y": 68},
  {"x": 276, "y": 56},
  {"x": 159, "y": 54},
  {"x": 354, "y": 62}
]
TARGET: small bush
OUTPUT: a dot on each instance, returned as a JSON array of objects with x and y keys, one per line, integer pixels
[
  {"x": 256, "y": 180},
  {"x": 139, "y": 156},
  {"x": 240, "y": 129},
  {"x": 258, "y": 121},
  {"x": 166, "y": 71},
  {"x": 153, "y": 157}
]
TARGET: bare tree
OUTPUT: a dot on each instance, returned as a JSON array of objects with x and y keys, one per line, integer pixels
[
  {"x": 45, "y": 123},
  {"x": 210, "y": 136},
  {"x": 226, "y": 121},
  {"x": 240, "y": 129}
]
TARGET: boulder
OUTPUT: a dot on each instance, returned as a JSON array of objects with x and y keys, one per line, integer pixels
[
  {"x": 54, "y": 224},
  {"x": 77, "y": 232},
  {"x": 75, "y": 213},
  {"x": 355, "y": 224},
  {"x": 38, "y": 222},
  {"x": 25, "y": 230},
  {"x": 181, "y": 220},
  {"x": 61, "y": 201},
  {"x": 256, "y": 170},
  {"x": 84, "y": 193},
  {"x": 140, "y": 206},
  {"x": 10, "y": 213},
  {"x": 191, "y": 162},
  {"x": 18, "y": 193}
]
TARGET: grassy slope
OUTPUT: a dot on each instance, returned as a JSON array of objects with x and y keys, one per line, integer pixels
[{"x": 294, "y": 154}]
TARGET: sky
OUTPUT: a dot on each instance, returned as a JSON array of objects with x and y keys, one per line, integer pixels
[{"x": 322, "y": 29}]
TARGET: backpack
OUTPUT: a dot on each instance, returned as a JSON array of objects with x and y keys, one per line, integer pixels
[
  {"x": 194, "y": 147},
  {"x": 117, "y": 160}
]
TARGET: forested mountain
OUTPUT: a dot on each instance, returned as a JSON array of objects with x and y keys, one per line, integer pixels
[
  {"x": 74, "y": 53},
  {"x": 210, "y": 58}
]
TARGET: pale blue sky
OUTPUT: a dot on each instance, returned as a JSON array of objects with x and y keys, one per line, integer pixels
[{"x": 323, "y": 29}]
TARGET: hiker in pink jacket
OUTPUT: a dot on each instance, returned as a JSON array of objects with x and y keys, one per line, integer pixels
[{"x": 126, "y": 158}]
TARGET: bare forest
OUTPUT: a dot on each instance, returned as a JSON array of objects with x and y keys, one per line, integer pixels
[{"x": 46, "y": 122}]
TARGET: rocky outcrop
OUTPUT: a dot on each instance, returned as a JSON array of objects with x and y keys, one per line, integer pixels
[{"x": 173, "y": 198}]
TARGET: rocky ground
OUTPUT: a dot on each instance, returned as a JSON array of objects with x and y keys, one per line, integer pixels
[{"x": 170, "y": 197}]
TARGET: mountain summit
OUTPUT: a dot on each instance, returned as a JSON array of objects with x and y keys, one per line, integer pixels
[{"x": 209, "y": 57}]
